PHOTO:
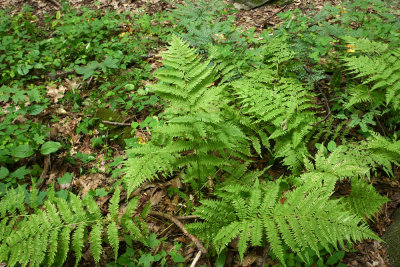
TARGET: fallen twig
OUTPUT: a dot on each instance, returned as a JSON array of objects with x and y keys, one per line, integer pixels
[
  {"x": 116, "y": 123},
  {"x": 189, "y": 217},
  {"x": 198, "y": 244},
  {"x": 89, "y": 82},
  {"x": 57, "y": 4},
  {"x": 265, "y": 255},
  {"x": 46, "y": 167},
  {"x": 196, "y": 259},
  {"x": 327, "y": 106},
  {"x": 265, "y": 22}
]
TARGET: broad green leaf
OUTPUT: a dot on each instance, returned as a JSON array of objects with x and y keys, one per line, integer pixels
[
  {"x": 22, "y": 151},
  {"x": 49, "y": 147},
  {"x": 3, "y": 172},
  {"x": 20, "y": 173},
  {"x": 35, "y": 109},
  {"x": 66, "y": 178}
]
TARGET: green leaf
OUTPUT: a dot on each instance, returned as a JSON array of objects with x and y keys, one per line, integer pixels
[
  {"x": 134, "y": 124},
  {"x": 66, "y": 178},
  {"x": 35, "y": 109},
  {"x": 95, "y": 240},
  {"x": 331, "y": 146},
  {"x": 49, "y": 147},
  {"x": 4, "y": 172},
  {"x": 62, "y": 194},
  {"x": 114, "y": 206},
  {"x": 175, "y": 256},
  {"x": 152, "y": 241},
  {"x": 112, "y": 236},
  {"x": 337, "y": 256},
  {"x": 101, "y": 192},
  {"x": 20, "y": 173},
  {"x": 22, "y": 151},
  {"x": 109, "y": 63},
  {"x": 88, "y": 70},
  {"x": 146, "y": 259},
  {"x": 220, "y": 262}
]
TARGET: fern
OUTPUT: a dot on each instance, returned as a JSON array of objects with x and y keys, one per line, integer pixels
[
  {"x": 355, "y": 160},
  {"x": 45, "y": 237},
  {"x": 378, "y": 65},
  {"x": 203, "y": 24},
  {"x": 282, "y": 107},
  {"x": 196, "y": 136},
  {"x": 356, "y": 201},
  {"x": 299, "y": 219}
]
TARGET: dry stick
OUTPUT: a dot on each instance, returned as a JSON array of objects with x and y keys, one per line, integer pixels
[
  {"x": 264, "y": 24},
  {"x": 196, "y": 259},
  {"x": 89, "y": 82},
  {"x": 55, "y": 3},
  {"x": 116, "y": 123},
  {"x": 189, "y": 217},
  {"x": 265, "y": 254},
  {"x": 182, "y": 227},
  {"x": 328, "y": 107},
  {"x": 46, "y": 167}
]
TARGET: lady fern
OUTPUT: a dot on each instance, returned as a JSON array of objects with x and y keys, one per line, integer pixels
[
  {"x": 300, "y": 219},
  {"x": 282, "y": 107},
  {"x": 196, "y": 136},
  {"x": 45, "y": 237},
  {"x": 377, "y": 64}
]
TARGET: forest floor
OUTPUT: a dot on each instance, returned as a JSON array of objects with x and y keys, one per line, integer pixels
[{"x": 368, "y": 253}]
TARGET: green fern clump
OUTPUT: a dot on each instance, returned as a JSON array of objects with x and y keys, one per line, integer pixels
[
  {"x": 46, "y": 237},
  {"x": 203, "y": 23},
  {"x": 283, "y": 108},
  {"x": 300, "y": 219},
  {"x": 377, "y": 64},
  {"x": 196, "y": 136},
  {"x": 355, "y": 162}
]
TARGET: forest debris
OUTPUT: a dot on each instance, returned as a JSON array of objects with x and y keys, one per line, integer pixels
[{"x": 198, "y": 244}]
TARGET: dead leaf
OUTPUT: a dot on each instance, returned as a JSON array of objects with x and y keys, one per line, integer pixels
[
  {"x": 55, "y": 92},
  {"x": 156, "y": 198}
]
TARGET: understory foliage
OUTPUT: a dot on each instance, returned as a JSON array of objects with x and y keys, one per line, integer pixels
[
  {"x": 46, "y": 236},
  {"x": 196, "y": 136},
  {"x": 197, "y": 140},
  {"x": 277, "y": 137},
  {"x": 282, "y": 108},
  {"x": 299, "y": 219},
  {"x": 378, "y": 65}
]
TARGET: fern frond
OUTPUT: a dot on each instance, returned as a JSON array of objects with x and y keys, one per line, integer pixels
[
  {"x": 45, "y": 237},
  {"x": 113, "y": 239},
  {"x": 95, "y": 241},
  {"x": 196, "y": 136},
  {"x": 378, "y": 66},
  {"x": 307, "y": 217},
  {"x": 356, "y": 201},
  {"x": 282, "y": 107}
]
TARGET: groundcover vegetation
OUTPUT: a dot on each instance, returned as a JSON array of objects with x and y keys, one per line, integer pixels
[{"x": 251, "y": 136}]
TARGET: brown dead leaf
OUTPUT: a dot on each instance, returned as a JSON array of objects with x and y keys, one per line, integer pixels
[
  {"x": 156, "y": 198},
  {"x": 55, "y": 92},
  {"x": 249, "y": 259},
  {"x": 90, "y": 181}
]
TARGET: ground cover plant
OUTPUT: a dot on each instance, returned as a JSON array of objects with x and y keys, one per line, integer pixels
[{"x": 115, "y": 129}]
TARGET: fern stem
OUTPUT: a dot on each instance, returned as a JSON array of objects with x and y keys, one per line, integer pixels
[{"x": 375, "y": 115}]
